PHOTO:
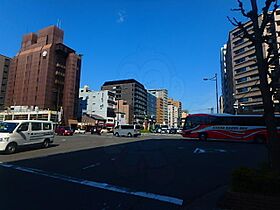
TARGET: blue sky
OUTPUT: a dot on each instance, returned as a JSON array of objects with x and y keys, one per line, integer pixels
[{"x": 169, "y": 44}]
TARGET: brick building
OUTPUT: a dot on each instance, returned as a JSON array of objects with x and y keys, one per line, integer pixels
[{"x": 45, "y": 73}]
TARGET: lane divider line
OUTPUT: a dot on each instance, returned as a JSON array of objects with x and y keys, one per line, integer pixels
[{"x": 100, "y": 185}]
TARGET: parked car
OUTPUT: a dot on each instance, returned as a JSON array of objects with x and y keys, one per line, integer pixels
[
  {"x": 172, "y": 130},
  {"x": 127, "y": 130},
  {"x": 179, "y": 131},
  {"x": 96, "y": 130},
  {"x": 64, "y": 131},
  {"x": 164, "y": 129},
  {"x": 80, "y": 131}
]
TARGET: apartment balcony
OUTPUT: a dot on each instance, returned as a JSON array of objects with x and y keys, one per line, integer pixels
[
  {"x": 246, "y": 74},
  {"x": 249, "y": 83},
  {"x": 248, "y": 94},
  {"x": 245, "y": 53}
]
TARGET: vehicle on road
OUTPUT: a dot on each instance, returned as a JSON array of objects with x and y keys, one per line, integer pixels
[
  {"x": 249, "y": 128},
  {"x": 80, "y": 131},
  {"x": 96, "y": 130},
  {"x": 173, "y": 131},
  {"x": 179, "y": 130},
  {"x": 164, "y": 129},
  {"x": 64, "y": 131},
  {"x": 127, "y": 130},
  {"x": 18, "y": 133}
]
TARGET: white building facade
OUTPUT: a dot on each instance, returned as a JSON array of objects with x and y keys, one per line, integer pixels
[{"x": 101, "y": 103}]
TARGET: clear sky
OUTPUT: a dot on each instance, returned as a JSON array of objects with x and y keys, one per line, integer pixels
[{"x": 169, "y": 44}]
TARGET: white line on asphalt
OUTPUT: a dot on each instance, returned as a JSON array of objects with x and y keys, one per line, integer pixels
[
  {"x": 105, "y": 186},
  {"x": 91, "y": 166},
  {"x": 198, "y": 150}
]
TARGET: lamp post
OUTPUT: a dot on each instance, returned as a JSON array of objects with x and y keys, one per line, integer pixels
[{"x": 215, "y": 78}]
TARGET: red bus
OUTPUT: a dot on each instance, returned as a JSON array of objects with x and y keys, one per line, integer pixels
[{"x": 249, "y": 128}]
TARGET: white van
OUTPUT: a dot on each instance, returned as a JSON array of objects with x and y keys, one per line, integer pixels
[
  {"x": 127, "y": 130},
  {"x": 16, "y": 133}
]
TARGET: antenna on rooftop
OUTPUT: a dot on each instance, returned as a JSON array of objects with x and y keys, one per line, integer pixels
[{"x": 58, "y": 23}]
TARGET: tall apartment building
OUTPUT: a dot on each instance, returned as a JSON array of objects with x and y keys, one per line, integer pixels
[
  {"x": 174, "y": 113},
  {"x": 101, "y": 103},
  {"x": 240, "y": 78},
  {"x": 134, "y": 93},
  {"x": 4, "y": 71},
  {"x": 151, "y": 105},
  {"x": 162, "y": 105},
  {"x": 45, "y": 73},
  {"x": 226, "y": 80}
]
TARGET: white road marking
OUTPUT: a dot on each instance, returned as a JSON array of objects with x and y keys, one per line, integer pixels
[
  {"x": 198, "y": 150},
  {"x": 91, "y": 166},
  {"x": 105, "y": 186}
]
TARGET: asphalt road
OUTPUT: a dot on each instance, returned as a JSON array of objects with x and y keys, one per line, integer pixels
[{"x": 104, "y": 172}]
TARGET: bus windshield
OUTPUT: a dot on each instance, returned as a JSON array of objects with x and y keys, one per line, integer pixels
[{"x": 7, "y": 127}]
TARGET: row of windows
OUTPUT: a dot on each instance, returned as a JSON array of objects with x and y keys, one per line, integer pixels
[
  {"x": 226, "y": 120},
  {"x": 240, "y": 60},
  {"x": 35, "y": 126},
  {"x": 243, "y": 79},
  {"x": 239, "y": 51},
  {"x": 243, "y": 69},
  {"x": 243, "y": 90},
  {"x": 239, "y": 41}
]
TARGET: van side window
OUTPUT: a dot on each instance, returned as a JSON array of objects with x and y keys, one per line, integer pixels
[
  {"x": 47, "y": 126},
  {"x": 23, "y": 127},
  {"x": 36, "y": 126}
]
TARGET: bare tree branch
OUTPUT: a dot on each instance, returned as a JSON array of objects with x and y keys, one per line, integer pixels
[
  {"x": 266, "y": 16},
  {"x": 241, "y": 9},
  {"x": 241, "y": 26}
]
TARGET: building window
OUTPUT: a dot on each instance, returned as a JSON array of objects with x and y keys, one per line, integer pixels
[
  {"x": 238, "y": 42},
  {"x": 243, "y": 100},
  {"x": 239, "y": 51},
  {"x": 240, "y": 60},
  {"x": 243, "y": 79},
  {"x": 243, "y": 69},
  {"x": 242, "y": 90}
]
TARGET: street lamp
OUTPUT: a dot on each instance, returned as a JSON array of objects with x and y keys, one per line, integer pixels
[{"x": 215, "y": 78}]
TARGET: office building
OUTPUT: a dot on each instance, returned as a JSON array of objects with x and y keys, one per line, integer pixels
[
  {"x": 101, "y": 103},
  {"x": 162, "y": 105},
  {"x": 45, "y": 73},
  {"x": 134, "y": 93},
  {"x": 151, "y": 105},
  {"x": 4, "y": 73},
  {"x": 242, "y": 71},
  {"x": 174, "y": 113}
]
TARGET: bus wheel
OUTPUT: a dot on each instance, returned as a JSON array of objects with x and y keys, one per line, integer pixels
[
  {"x": 11, "y": 148},
  {"x": 259, "y": 139},
  {"x": 117, "y": 134},
  {"x": 129, "y": 135},
  {"x": 203, "y": 137}
]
